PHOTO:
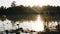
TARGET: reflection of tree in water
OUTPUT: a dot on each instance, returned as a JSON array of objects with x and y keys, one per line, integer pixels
[
  {"x": 58, "y": 27},
  {"x": 49, "y": 18},
  {"x": 22, "y": 17}
]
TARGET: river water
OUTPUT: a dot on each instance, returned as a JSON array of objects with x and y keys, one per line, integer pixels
[{"x": 27, "y": 23}]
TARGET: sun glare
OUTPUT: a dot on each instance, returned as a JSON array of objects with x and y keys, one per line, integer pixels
[
  {"x": 38, "y": 25},
  {"x": 39, "y": 2}
]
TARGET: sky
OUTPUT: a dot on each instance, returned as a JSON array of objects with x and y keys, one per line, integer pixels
[{"x": 7, "y": 3}]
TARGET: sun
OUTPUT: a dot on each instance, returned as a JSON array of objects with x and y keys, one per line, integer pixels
[{"x": 39, "y": 2}]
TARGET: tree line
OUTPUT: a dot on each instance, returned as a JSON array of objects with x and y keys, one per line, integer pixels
[
  {"x": 28, "y": 10},
  {"x": 16, "y": 9}
]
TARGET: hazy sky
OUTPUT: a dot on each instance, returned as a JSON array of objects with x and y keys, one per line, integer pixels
[{"x": 7, "y": 3}]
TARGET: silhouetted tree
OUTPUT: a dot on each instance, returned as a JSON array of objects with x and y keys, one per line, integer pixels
[
  {"x": 3, "y": 10},
  {"x": 13, "y": 4}
]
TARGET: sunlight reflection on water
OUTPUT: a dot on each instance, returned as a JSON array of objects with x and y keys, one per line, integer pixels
[{"x": 33, "y": 25}]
